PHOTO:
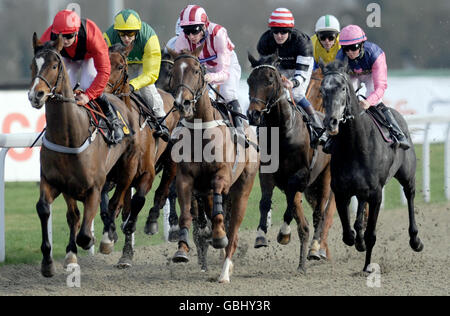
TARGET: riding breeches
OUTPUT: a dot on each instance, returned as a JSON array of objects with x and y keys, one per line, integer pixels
[
  {"x": 148, "y": 93},
  {"x": 82, "y": 71},
  {"x": 229, "y": 90}
]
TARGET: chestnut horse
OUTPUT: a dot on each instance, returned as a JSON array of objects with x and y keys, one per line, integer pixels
[
  {"x": 73, "y": 161},
  {"x": 151, "y": 151},
  {"x": 301, "y": 169},
  {"x": 211, "y": 164}
]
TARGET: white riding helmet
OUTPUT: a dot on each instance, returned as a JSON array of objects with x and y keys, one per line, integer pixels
[{"x": 327, "y": 23}]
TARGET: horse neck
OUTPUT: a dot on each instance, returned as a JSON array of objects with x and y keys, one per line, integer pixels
[
  {"x": 204, "y": 109},
  {"x": 67, "y": 123}
]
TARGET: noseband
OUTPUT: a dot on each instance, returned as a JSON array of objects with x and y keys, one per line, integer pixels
[
  {"x": 347, "y": 114},
  {"x": 196, "y": 94},
  {"x": 269, "y": 103}
]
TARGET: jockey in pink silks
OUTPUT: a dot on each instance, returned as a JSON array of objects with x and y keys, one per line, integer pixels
[
  {"x": 218, "y": 56},
  {"x": 367, "y": 64}
]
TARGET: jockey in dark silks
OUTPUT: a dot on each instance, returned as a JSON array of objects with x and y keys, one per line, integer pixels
[
  {"x": 367, "y": 64},
  {"x": 296, "y": 53},
  {"x": 84, "y": 49}
]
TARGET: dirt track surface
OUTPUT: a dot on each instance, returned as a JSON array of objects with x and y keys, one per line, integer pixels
[{"x": 270, "y": 271}]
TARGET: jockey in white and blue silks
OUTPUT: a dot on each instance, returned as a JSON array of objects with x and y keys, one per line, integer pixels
[{"x": 367, "y": 64}]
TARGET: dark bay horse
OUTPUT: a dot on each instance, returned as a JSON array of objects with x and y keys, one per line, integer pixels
[
  {"x": 73, "y": 161},
  {"x": 362, "y": 162},
  {"x": 151, "y": 152},
  {"x": 211, "y": 164},
  {"x": 301, "y": 169}
]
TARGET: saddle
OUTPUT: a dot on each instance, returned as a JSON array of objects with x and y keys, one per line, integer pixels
[{"x": 381, "y": 123}]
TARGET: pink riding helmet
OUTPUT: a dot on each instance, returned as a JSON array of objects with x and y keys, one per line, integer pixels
[
  {"x": 193, "y": 15},
  {"x": 352, "y": 34}
]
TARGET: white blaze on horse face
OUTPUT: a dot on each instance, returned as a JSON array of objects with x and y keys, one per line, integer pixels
[
  {"x": 39, "y": 63},
  {"x": 179, "y": 97}
]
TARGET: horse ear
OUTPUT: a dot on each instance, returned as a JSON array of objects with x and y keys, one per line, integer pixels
[
  {"x": 321, "y": 63},
  {"x": 345, "y": 64},
  {"x": 172, "y": 53},
  {"x": 58, "y": 44},
  {"x": 36, "y": 42},
  {"x": 252, "y": 60},
  {"x": 198, "y": 50}
]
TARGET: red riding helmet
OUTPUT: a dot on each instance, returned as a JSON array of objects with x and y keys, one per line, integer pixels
[{"x": 66, "y": 22}]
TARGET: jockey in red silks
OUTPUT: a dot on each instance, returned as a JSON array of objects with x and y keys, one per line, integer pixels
[
  {"x": 218, "y": 56},
  {"x": 85, "y": 49},
  {"x": 367, "y": 64}
]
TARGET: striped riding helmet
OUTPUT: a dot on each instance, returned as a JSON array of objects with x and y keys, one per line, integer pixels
[
  {"x": 281, "y": 17},
  {"x": 193, "y": 15},
  {"x": 327, "y": 23}
]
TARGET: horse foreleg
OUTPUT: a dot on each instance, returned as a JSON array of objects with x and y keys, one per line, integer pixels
[
  {"x": 219, "y": 235},
  {"x": 284, "y": 235},
  {"x": 267, "y": 186},
  {"x": 73, "y": 220},
  {"x": 302, "y": 229},
  {"x": 161, "y": 195},
  {"x": 370, "y": 234},
  {"x": 359, "y": 226},
  {"x": 184, "y": 192},
  {"x": 326, "y": 225},
  {"x": 47, "y": 196},
  {"x": 91, "y": 203},
  {"x": 342, "y": 203},
  {"x": 108, "y": 219},
  {"x": 173, "y": 217}
]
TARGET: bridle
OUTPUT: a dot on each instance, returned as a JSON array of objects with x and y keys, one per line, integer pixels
[
  {"x": 346, "y": 114},
  {"x": 123, "y": 79},
  {"x": 52, "y": 94},
  {"x": 197, "y": 94},
  {"x": 269, "y": 103}
]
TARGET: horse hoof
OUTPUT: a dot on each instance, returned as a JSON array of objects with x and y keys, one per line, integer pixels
[
  {"x": 219, "y": 243},
  {"x": 323, "y": 254},
  {"x": 174, "y": 236},
  {"x": 124, "y": 263},
  {"x": 48, "y": 269},
  {"x": 416, "y": 245},
  {"x": 283, "y": 239},
  {"x": 71, "y": 258},
  {"x": 85, "y": 241},
  {"x": 180, "y": 257},
  {"x": 261, "y": 242},
  {"x": 360, "y": 246},
  {"x": 151, "y": 228},
  {"x": 301, "y": 270},
  {"x": 313, "y": 255},
  {"x": 349, "y": 240}
]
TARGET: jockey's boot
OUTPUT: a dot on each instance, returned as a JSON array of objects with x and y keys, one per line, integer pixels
[
  {"x": 113, "y": 121},
  {"x": 328, "y": 145},
  {"x": 161, "y": 129},
  {"x": 238, "y": 123},
  {"x": 318, "y": 135},
  {"x": 395, "y": 130}
]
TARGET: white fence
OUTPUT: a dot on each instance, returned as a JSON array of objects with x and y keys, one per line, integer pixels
[{"x": 23, "y": 140}]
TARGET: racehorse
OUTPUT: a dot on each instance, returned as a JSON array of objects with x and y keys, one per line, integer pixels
[
  {"x": 313, "y": 92},
  {"x": 224, "y": 172},
  {"x": 151, "y": 152},
  {"x": 362, "y": 162},
  {"x": 165, "y": 71},
  {"x": 74, "y": 161},
  {"x": 301, "y": 169}
]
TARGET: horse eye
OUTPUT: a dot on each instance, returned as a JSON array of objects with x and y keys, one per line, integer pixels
[
  {"x": 120, "y": 67},
  {"x": 54, "y": 67}
]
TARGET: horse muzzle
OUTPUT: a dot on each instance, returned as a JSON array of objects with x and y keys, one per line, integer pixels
[
  {"x": 37, "y": 98},
  {"x": 332, "y": 126},
  {"x": 185, "y": 109},
  {"x": 254, "y": 117}
]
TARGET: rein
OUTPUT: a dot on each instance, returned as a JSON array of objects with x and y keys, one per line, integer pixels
[
  {"x": 268, "y": 104},
  {"x": 122, "y": 80},
  {"x": 347, "y": 114}
]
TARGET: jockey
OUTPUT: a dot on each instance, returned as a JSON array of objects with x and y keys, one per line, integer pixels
[
  {"x": 143, "y": 61},
  {"x": 295, "y": 51},
  {"x": 367, "y": 64},
  {"x": 218, "y": 56},
  {"x": 171, "y": 43},
  {"x": 84, "y": 49},
  {"x": 325, "y": 41}
]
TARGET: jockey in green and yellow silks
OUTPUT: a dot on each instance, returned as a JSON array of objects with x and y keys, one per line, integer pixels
[{"x": 325, "y": 41}]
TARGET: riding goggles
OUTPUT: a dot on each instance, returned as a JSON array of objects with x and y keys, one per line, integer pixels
[
  {"x": 127, "y": 33},
  {"x": 54, "y": 36},
  {"x": 192, "y": 29},
  {"x": 353, "y": 47},
  {"x": 281, "y": 30},
  {"x": 330, "y": 36}
]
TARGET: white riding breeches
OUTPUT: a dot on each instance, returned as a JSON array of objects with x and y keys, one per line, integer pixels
[
  {"x": 300, "y": 91},
  {"x": 82, "y": 71},
  {"x": 230, "y": 88},
  {"x": 149, "y": 93}
]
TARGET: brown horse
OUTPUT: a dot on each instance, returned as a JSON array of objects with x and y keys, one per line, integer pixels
[
  {"x": 301, "y": 169},
  {"x": 73, "y": 161},
  {"x": 211, "y": 164},
  {"x": 313, "y": 93},
  {"x": 151, "y": 151}
]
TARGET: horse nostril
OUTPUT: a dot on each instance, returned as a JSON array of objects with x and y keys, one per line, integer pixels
[
  {"x": 40, "y": 95},
  {"x": 333, "y": 122}
]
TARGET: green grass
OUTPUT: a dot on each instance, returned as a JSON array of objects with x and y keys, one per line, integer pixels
[{"x": 23, "y": 232}]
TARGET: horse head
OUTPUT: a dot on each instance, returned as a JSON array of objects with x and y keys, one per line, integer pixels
[
  {"x": 265, "y": 87},
  {"x": 187, "y": 84},
  {"x": 165, "y": 71},
  {"x": 118, "y": 78},
  {"x": 336, "y": 93},
  {"x": 47, "y": 70}
]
